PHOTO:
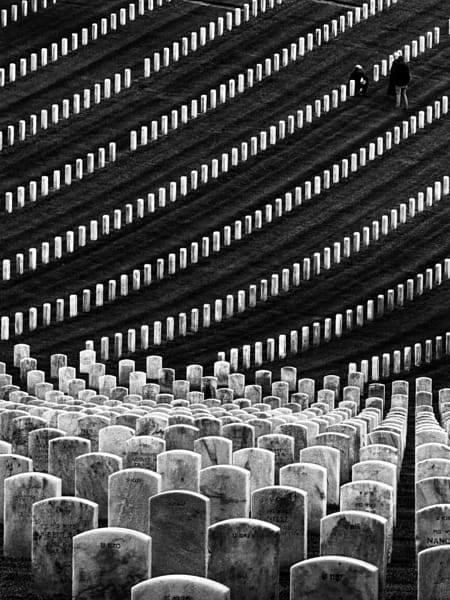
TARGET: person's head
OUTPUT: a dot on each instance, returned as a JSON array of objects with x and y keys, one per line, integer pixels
[
  {"x": 401, "y": 59},
  {"x": 358, "y": 68}
]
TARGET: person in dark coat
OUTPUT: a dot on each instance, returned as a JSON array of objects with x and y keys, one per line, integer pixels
[
  {"x": 401, "y": 76},
  {"x": 361, "y": 80},
  {"x": 391, "y": 87}
]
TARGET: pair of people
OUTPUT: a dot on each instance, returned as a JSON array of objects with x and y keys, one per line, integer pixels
[{"x": 399, "y": 78}]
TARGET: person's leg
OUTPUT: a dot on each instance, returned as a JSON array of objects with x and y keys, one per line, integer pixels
[
  {"x": 398, "y": 90},
  {"x": 405, "y": 97},
  {"x": 364, "y": 89}
]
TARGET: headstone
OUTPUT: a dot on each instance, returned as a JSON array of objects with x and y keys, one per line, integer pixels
[
  {"x": 38, "y": 441},
  {"x": 284, "y": 507},
  {"x": 89, "y": 427},
  {"x": 179, "y": 524},
  {"x": 62, "y": 453},
  {"x": 373, "y": 497},
  {"x": 329, "y": 459},
  {"x": 283, "y": 448},
  {"x": 433, "y": 490},
  {"x": 54, "y": 522},
  {"x": 260, "y": 463},
  {"x": 129, "y": 491},
  {"x": 346, "y": 534},
  {"x": 214, "y": 450},
  {"x": 433, "y": 581},
  {"x": 334, "y": 577},
  {"x": 20, "y": 428},
  {"x": 244, "y": 556},
  {"x": 6, "y": 422},
  {"x": 312, "y": 479},
  {"x": 153, "y": 424},
  {"x": 11, "y": 464},
  {"x": 298, "y": 432},
  {"x": 91, "y": 478},
  {"x": 228, "y": 488},
  {"x": 432, "y": 450},
  {"x": 113, "y": 439},
  {"x": 377, "y": 470},
  {"x": 176, "y": 587},
  {"x": 341, "y": 442},
  {"x": 21, "y": 492},
  {"x": 241, "y": 435},
  {"x": 432, "y": 467},
  {"x": 208, "y": 426},
  {"x": 107, "y": 562},
  {"x": 179, "y": 470},
  {"x": 141, "y": 452},
  {"x": 432, "y": 526},
  {"x": 180, "y": 437}
]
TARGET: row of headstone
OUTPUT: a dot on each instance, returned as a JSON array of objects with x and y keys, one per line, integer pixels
[
  {"x": 37, "y": 60},
  {"x": 12, "y": 15},
  {"x": 432, "y": 491}
]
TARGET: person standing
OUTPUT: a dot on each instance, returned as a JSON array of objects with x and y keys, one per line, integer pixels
[{"x": 401, "y": 76}]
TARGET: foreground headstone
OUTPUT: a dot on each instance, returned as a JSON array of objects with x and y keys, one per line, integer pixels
[
  {"x": 228, "y": 488},
  {"x": 312, "y": 479},
  {"x": 21, "y": 492},
  {"x": 129, "y": 491},
  {"x": 347, "y": 533},
  {"x": 179, "y": 524},
  {"x": 432, "y": 526},
  {"x": 329, "y": 577},
  {"x": 11, "y": 464},
  {"x": 91, "y": 478},
  {"x": 55, "y": 522},
  {"x": 433, "y": 490},
  {"x": 284, "y": 507},
  {"x": 433, "y": 580},
  {"x": 176, "y": 587},
  {"x": 108, "y": 562},
  {"x": 244, "y": 556}
]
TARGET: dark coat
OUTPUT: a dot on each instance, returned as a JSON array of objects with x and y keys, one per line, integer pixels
[
  {"x": 400, "y": 73},
  {"x": 361, "y": 80}
]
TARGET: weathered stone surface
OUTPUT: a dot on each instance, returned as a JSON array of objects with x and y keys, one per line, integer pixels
[
  {"x": 89, "y": 427},
  {"x": 91, "y": 478},
  {"x": 20, "y": 428},
  {"x": 377, "y": 470},
  {"x": 432, "y": 526},
  {"x": 176, "y": 587},
  {"x": 38, "y": 441},
  {"x": 113, "y": 439},
  {"x": 283, "y": 448},
  {"x": 228, "y": 488},
  {"x": 342, "y": 443},
  {"x": 312, "y": 479},
  {"x": 11, "y": 464},
  {"x": 54, "y": 522},
  {"x": 180, "y": 437},
  {"x": 284, "y": 507},
  {"x": 329, "y": 577},
  {"x": 153, "y": 425},
  {"x": 347, "y": 533},
  {"x": 21, "y": 492},
  {"x": 433, "y": 490},
  {"x": 62, "y": 453},
  {"x": 108, "y": 562},
  {"x": 241, "y": 435},
  {"x": 329, "y": 458},
  {"x": 432, "y": 467},
  {"x": 129, "y": 491},
  {"x": 179, "y": 524},
  {"x": 244, "y": 556},
  {"x": 141, "y": 452},
  {"x": 433, "y": 580},
  {"x": 260, "y": 463},
  {"x": 179, "y": 470},
  {"x": 214, "y": 450}
]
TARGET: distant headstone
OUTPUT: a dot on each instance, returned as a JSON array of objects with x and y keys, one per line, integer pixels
[
  {"x": 179, "y": 470},
  {"x": 283, "y": 448},
  {"x": 62, "y": 453},
  {"x": 214, "y": 450},
  {"x": 91, "y": 478},
  {"x": 113, "y": 439},
  {"x": 260, "y": 463},
  {"x": 141, "y": 452},
  {"x": 329, "y": 458}
]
